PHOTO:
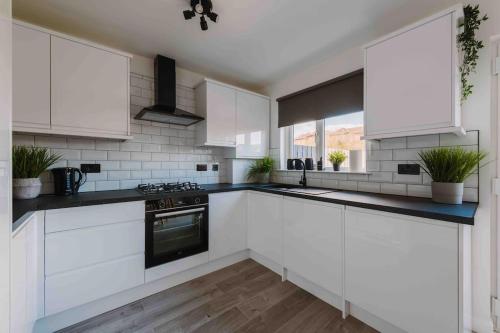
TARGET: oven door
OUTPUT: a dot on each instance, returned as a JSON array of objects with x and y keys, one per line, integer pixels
[{"x": 175, "y": 233}]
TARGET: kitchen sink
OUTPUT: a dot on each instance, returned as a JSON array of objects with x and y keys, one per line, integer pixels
[{"x": 309, "y": 191}]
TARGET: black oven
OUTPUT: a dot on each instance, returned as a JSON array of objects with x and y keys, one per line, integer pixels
[{"x": 176, "y": 227}]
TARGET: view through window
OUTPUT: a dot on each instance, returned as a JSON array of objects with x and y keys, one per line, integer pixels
[
  {"x": 304, "y": 140},
  {"x": 343, "y": 133}
]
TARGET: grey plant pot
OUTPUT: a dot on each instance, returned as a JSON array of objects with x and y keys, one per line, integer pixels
[
  {"x": 262, "y": 178},
  {"x": 450, "y": 193},
  {"x": 26, "y": 188}
]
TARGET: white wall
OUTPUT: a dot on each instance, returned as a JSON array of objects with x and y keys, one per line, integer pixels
[
  {"x": 5, "y": 200},
  {"x": 476, "y": 115}
]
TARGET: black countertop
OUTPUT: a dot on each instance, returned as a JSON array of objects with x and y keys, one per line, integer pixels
[{"x": 420, "y": 207}]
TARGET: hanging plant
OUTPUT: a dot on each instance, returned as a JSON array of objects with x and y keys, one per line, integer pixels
[{"x": 469, "y": 46}]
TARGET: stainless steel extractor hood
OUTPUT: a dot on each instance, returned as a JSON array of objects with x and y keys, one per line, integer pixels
[{"x": 165, "y": 110}]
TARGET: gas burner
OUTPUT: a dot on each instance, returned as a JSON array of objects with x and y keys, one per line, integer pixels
[{"x": 168, "y": 188}]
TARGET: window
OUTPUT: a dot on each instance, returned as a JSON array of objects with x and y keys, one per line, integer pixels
[
  {"x": 317, "y": 139},
  {"x": 343, "y": 133},
  {"x": 304, "y": 140}
]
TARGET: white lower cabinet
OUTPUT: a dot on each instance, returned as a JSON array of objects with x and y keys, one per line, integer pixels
[
  {"x": 404, "y": 270},
  {"x": 228, "y": 223},
  {"x": 92, "y": 252},
  {"x": 313, "y": 235},
  {"x": 265, "y": 225},
  {"x": 27, "y": 274}
]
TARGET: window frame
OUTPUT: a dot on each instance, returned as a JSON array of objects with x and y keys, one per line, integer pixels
[{"x": 287, "y": 139}]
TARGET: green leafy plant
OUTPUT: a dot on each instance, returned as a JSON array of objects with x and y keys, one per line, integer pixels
[
  {"x": 259, "y": 167},
  {"x": 30, "y": 162},
  {"x": 337, "y": 157},
  {"x": 450, "y": 165},
  {"x": 469, "y": 46}
]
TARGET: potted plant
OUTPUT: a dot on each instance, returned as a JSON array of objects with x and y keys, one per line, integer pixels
[
  {"x": 28, "y": 163},
  {"x": 448, "y": 168},
  {"x": 260, "y": 170},
  {"x": 337, "y": 158}
]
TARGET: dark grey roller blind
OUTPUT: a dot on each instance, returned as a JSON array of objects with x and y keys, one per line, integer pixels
[{"x": 335, "y": 97}]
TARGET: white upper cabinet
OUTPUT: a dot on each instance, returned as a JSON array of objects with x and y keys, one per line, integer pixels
[
  {"x": 217, "y": 104},
  {"x": 234, "y": 118},
  {"x": 252, "y": 126},
  {"x": 89, "y": 89},
  {"x": 66, "y": 86},
  {"x": 411, "y": 80},
  {"x": 31, "y": 78}
]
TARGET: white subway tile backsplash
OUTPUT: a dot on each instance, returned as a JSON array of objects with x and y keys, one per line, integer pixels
[
  {"x": 390, "y": 165},
  {"x": 129, "y": 184},
  {"x": 380, "y": 177},
  {"x": 67, "y": 154},
  {"x": 379, "y": 155},
  {"x": 423, "y": 191},
  {"x": 140, "y": 156},
  {"x": 369, "y": 187},
  {"x": 103, "y": 175},
  {"x": 130, "y": 146},
  {"x": 140, "y": 174},
  {"x": 23, "y": 140},
  {"x": 151, "y": 165},
  {"x": 348, "y": 185},
  {"x": 406, "y": 154},
  {"x": 407, "y": 179},
  {"x": 471, "y": 138},
  {"x": 109, "y": 165},
  {"x": 118, "y": 155},
  {"x": 383, "y": 157},
  {"x": 160, "y": 157},
  {"x": 422, "y": 141},
  {"x": 107, "y": 145},
  {"x": 389, "y": 188},
  {"x": 118, "y": 175},
  {"x": 94, "y": 155},
  {"x": 79, "y": 143},
  {"x": 154, "y": 130},
  {"x": 107, "y": 185},
  {"x": 50, "y": 141},
  {"x": 393, "y": 143},
  {"x": 160, "y": 173},
  {"x": 151, "y": 147},
  {"x": 131, "y": 165}
]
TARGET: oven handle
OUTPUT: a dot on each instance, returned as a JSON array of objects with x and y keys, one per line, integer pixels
[{"x": 181, "y": 212}]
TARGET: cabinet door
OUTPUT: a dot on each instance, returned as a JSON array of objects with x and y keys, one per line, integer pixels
[
  {"x": 410, "y": 80},
  {"x": 19, "y": 282},
  {"x": 76, "y": 287},
  {"x": 221, "y": 115},
  {"x": 403, "y": 270},
  {"x": 89, "y": 89},
  {"x": 228, "y": 224},
  {"x": 265, "y": 225},
  {"x": 31, "y": 78},
  {"x": 252, "y": 125},
  {"x": 313, "y": 241}
]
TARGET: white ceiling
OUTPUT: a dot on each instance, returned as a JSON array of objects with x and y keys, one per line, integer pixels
[{"x": 255, "y": 42}]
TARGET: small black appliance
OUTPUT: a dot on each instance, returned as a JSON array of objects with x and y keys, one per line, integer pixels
[
  {"x": 67, "y": 181},
  {"x": 290, "y": 165},
  {"x": 309, "y": 163}
]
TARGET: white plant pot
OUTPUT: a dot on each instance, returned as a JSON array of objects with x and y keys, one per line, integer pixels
[
  {"x": 450, "y": 193},
  {"x": 26, "y": 188}
]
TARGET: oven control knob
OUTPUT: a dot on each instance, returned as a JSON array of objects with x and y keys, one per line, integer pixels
[
  {"x": 161, "y": 204},
  {"x": 197, "y": 200}
]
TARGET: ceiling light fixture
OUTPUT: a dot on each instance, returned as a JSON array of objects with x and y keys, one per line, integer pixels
[{"x": 202, "y": 8}]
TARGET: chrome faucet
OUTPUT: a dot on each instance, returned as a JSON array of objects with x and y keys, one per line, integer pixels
[{"x": 303, "y": 180}]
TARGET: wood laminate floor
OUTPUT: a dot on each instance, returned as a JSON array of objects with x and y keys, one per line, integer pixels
[{"x": 244, "y": 297}]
